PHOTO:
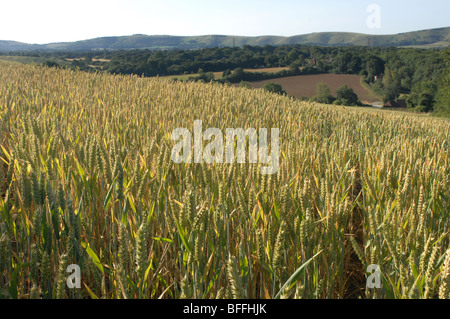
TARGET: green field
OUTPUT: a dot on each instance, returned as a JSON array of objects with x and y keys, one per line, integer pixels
[
  {"x": 86, "y": 178},
  {"x": 22, "y": 59}
]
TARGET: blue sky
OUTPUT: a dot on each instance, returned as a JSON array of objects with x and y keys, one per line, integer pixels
[{"x": 47, "y": 21}]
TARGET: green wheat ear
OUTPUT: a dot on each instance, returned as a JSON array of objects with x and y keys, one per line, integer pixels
[
  {"x": 429, "y": 287},
  {"x": 34, "y": 263},
  {"x": 141, "y": 250},
  {"x": 45, "y": 271},
  {"x": 10, "y": 172},
  {"x": 37, "y": 222},
  {"x": 259, "y": 245},
  {"x": 279, "y": 245},
  {"x": 124, "y": 249},
  {"x": 61, "y": 283},
  {"x": 425, "y": 254},
  {"x": 357, "y": 249},
  {"x": 234, "y": 278},
  {"x": 35, "y": 187},
  {"x": 25, "y": 188}
]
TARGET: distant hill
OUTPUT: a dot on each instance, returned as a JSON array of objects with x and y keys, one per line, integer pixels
[{"x": 425, "y": 38}]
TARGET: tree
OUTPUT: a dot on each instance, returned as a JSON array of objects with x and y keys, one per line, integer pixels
[
  {"x": 293, "y": 56},
  {"x": 236, "y": 76},
  {"x": 374, "y": 65},
  {"x": 238, "y": 72},
  {"x": 442, "y": 104},
  {"x": 274, "y": 88},
  {"x": 271, "y": 61},
  {"x": 426, "y": 101},
  {"x": 422, "y": 97},
  {"x": 226, "y": 73},
  {"x": 323, "y": 94},
  {"x": 206, "y": 77},
  {"x": 346, "y": 96},
  {"x": 347, "y": 63},
  {"x": 245, "y": 84},
  {"x": 392, "y": 84},
  {"x": 294, "y": 68}
]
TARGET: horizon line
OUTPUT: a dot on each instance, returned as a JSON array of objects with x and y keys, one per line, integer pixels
[{"x": 224, "y": 35}]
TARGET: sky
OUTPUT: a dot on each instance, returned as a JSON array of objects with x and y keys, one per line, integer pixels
[{"x": 46, "y": 21}]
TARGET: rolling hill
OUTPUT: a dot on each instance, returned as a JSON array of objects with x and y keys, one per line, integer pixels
[{"x": 425, "y": 38}]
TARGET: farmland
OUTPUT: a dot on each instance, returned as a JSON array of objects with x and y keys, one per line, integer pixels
[
  {"x": 22, "y": 59},
  {"x": 218, "y": 75},
  {"x": 306, "y": 85},
  {"x": 417, "y": 75},
  {"x": 185, "y": 77},
  {"x": 86, "y": 178}
]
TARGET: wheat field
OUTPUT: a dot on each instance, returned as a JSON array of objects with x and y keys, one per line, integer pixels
[{"x": 86, "y": 178}]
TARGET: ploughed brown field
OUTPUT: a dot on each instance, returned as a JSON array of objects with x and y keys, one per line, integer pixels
[{"x": 306, "y": 85}]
